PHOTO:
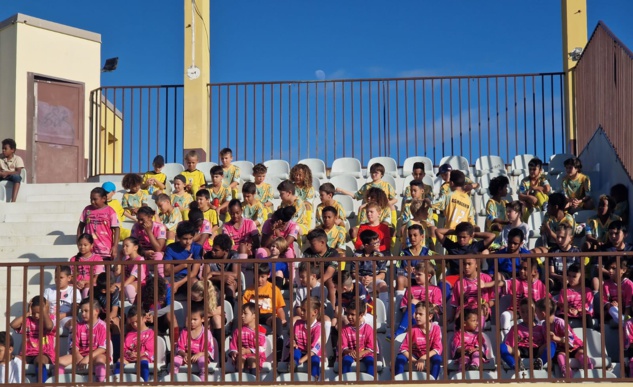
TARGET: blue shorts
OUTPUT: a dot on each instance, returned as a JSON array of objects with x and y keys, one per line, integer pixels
[{"x": 12, "y": 178}]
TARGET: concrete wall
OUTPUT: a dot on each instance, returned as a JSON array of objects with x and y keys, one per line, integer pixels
[{"x": 8, "y": 46}]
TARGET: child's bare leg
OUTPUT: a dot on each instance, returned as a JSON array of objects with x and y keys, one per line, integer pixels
[
  {"x": 353, "y": 232},
  {"x": 402, "y": 283},
  {"x": 16, "y": 189}
]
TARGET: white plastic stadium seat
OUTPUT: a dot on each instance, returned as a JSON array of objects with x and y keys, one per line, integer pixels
[
  {"x": 484, "y": 181},
  {"x": 205, "y": 168},
  {"x": 594, "y": 373},
  {"x": 123, "y": 378},
  {"x": 246, "y": 170},
  {"x": 317, "y": 166},
  {"x": 363, "y": 377},
  {"x": 346, "y": 166},
  {"x": 594, "y": 350},
  {"x": 535, "y": 221},
  {"x": 415, "y": 375},
  {"x": 274, "y": 182},
  {"x": 487, "y": 164},
  {"x": 583, "y": 216},
  {"x": 474, "y": 375},
  {"x": 388, "y": 179},
  {"x": 296, "y": 377},
  {"x": 346, "y": 182},
  {"x": 520, "y": 164},
  {"x": 278, "y": 168},
  {"x": 526, "y": 374},
  {"x": 556, "y": 163},
  {"x": 172, "y": 169},
  {"x": 180, "y": 377},
  {"x": 67, "y": 378},
  {"x": 348, "y": 205},
  {"x": 391, "y": 167},
  {"x": 457, "y": 162},
  {"x": 407, "y": 167}
]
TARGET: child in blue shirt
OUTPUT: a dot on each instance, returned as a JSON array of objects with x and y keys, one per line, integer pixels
[{"x": 184, "y": 250}]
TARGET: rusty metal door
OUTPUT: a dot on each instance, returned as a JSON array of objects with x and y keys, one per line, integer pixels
[{"x": 58, "y": 131}]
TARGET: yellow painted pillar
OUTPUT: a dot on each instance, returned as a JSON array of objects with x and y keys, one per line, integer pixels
[
  {"x": 574, "y": 14},
  {"x": 197, "y": 65}
]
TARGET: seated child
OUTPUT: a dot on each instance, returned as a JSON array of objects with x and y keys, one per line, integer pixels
[
  {"x": 576, "y": 187},
  {"x": 88, "y": 342},
  {"x": 154, "y": 181},
  {"x": 617, "y": 236},
  {"x": 279, "y": 271},
  {"x": 326, "y": 193},
  {"x": 418, "y": 174},
  {"x": 138, "y": 347},
  {"x": 496, "y": 216},
  {"x": 109, "y": 299},
  {"x": 280, "y": 224},
  {"x": 179, "y": 197},
  {"x": 336, "y": 235},
  {"x": 288, "y": 198},
  {"x": 203, "y": 293},
  {"x": 376, "y": 172},
  {"x": 527, "y": 340},
  {"x": 203, "y": 203},
  {"x": 445, "y": 171},
  {"x": 11, "y": 166},
  {"x": 135, "y": 198},
  {"x": 467, "y": 294},
  {"x": 465, "y": 233},
  {"x": 615, "y": 307},
  {"x": 357, "y": 339},
  {"x": 320, "y": 249},
  {"x": 377, "y": 196},
  {"x": 348, "y": 295},
  {"x": 456, "y": 205},
  {"x": 248, "y": 345},
  {"x": 206, "y": 232},
  {"x": 308, "y": 347},
  {"x": 39, "y": 351},
  {"x": 184, "y": 253},
  {"x": 85, "y": 276},
  {"x": 152, "y": 306},
  {"x": 310, "y": 287},
  {"x": 468, "y": 345},
  {"x": 264, "y": 190},
  {"x": 132, "y": 274},
  {"x": 534, "y": 188},
  {"x": 169, "y": 215},
  {"x": 301, "y": 176},
  {"x": 195, "y": 343},
  {"x": 416, "y": 192},
  {"x": 194, "y": 179},
  {"x": 219, "y": 193},
  {"x": 555, "y": 215},
  {"x": 14, "y": 363},
  {"x": 416, "y": 249},
  {"x": 241, "y": 230},
  {"x": 514, "y": 245},
  {"x": 152, "y": 236},
  {"x": 371, "y": 274},
  {"x": 561, "y": 334},
  {"x": 426, "y": 339},
  {"x": 69, "y": 296},
  {"x": 269, "y": 300},
  {"x": 223, "y": 275},
  {"x": 381, "y": 229},
  {"x": 514, "y": 211},
  {"x": 620, "y": 194},
  {"x": 231, "y": 173},
  {"x": 558, "y": 265},
  {"x": 597, "y": 226},
  {"x": 573, "y": 297},
  {"x": 252, "y": 208}
]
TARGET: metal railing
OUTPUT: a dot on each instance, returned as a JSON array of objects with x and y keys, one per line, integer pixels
[{"x": 603, "y": 339}]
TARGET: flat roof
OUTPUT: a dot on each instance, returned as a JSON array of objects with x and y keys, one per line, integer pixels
[{"x": 51, "y": 26}]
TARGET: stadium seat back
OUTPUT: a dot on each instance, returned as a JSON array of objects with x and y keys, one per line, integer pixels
[
  {"x": 317, "y": 167},
  {"x": 391, "y": 166},
  {"x": 246, "y": 170},
  {"x": 407, "y": 167},
  {"x": 346, "y": 166},
  {"x": 486, "y": 164},
  {"x": 278, "y": 168}
]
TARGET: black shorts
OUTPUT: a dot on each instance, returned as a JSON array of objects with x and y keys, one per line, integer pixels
[{"x": 524, "y": 352}]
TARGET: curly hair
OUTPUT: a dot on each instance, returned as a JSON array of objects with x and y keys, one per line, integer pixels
[
  {"x": 131, "y": 180},
  {"x": 380, "y": 197},
  {"x": 307, "y": 175}
]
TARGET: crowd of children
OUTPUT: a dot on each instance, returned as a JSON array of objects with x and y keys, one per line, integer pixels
[{"x": 246, "y": 245}]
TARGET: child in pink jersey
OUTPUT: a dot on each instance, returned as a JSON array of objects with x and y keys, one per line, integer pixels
[
  {"x": 576, "y": 310},
  {"x": 248, "y": 345},
  {"x": 88, "y": 342},
  {"x": 302, "y": 348},
  {"x": 467, "y": 344},
  {"x": 420, "y": 291},
  {"x": 422, "y": 345},
  {"x": 362, "y": 349},
  {"x": 561, "y": 334},
  {"x": 628, "y": 340},
  {"x": 205, "y": 234},
  {"x": 39, "y": 351},
  {"x": 134, "y": 269},
  {"x": 617, "y": 279},
  {"x": 138, "y": 344},
  {"x": 85, "y": 276},
  {"x": 468, "y": 287},
  {"x": 151, "y": 235},
  {"x": 102, "y": 223},
  {"x": 193, "y": 342},
  {"x": 240, "y": 229}
]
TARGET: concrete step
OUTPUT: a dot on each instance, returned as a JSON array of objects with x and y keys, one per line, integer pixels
[
  {"x": 69, "y": 197},
  {"x": 23, "y": 228},
  {"x": 42, "y": 218},
  {"x": 47, "y": 240},
  {"x": 44, "y": 207},
  {"x": 58, "y": 189},
  {"x": 18, "y": 254}
]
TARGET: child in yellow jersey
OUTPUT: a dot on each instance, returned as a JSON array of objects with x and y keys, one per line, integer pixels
[
  {"x": 169, "y": 215},
  {"x": 288, "y": 198},
  {"x": 264, "y": 190},
  {"x": 620, "y": 194},
  {"x": 555, "y": 215},
  {"x": 181, "y": 198},
  {"x": 377, "y": 196},
  {"x": 336, "y": 235},
  {"x": 251, "y": 207},
  {"x": 193, "y": 177},
  {"x": 496, "y": 216},
  {"x": 154, "y": 181},
  {"x": 534, "y": 188},
  {"x": 457, "y": 206},
  {"x": 326, "y": 193},
  {"x": 416, "y": 191},
  {"x": 135, "y": 198},
  {"x": 231, "y": 173},
  {"x": 576, "y": 186},
  {"x": 203, "y": 203},
  {"x": 598, "y": 225},
  {"x": 444, "y": 172},
  {"x": 420, "y": 215},
  {"x": 418, "y": 174},
  {"x": 220, "y": 193},
  {"x": 110, "y": 189},
  {"x": 301, "y": 176}
]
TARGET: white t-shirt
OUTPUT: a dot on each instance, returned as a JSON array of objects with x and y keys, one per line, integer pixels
[
  {"x": 506, "y": 230},
  {"x": 15, "y": 371},
  {"x": 65, "y": 302}
]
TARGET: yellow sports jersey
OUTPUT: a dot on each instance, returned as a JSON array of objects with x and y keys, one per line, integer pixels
[
  {"x": 264, "y": 193},
  {"x": 306, "y": 193},
  {"x": 254, "y": 212},
  {"x": 135, "y": 200},
  {"x": 495, "y": 210},
  {"x": 223, "y": 194},
  {"x": 301, "y": 215},
  {"x": 383, "y": 185},
  {"x": 457, "y": 208},
  {"x": 195, "y": 179},
  {"x": 406, "y": 213},
  {"x": 526, "y": 185},
  {"x": 428, "y": 193},
  {"x": 171, "y": 220},
  {"x": 445, "y": 189},
  {"x": 181, "y": 201},
  {"x": 319, "y": 211},
  {"x": 601, "y": 230},
  {"x": 553, "y": 223},
  {"x": 385, "y": 216},
  {"x": 212, "y": 216},
  {"x": 231, "y": 175},
  {"x": 160, "y": 177},
  {"x": 118, "y": 208},
  {"x": 578, "y": 188},
  {"x": 336, "y": 237}
]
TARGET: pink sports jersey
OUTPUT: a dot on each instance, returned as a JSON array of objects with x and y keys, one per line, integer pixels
[
  {"x": 206, "y": 229},
  {"x": 82, "y": 272},
  {"x": 146, "y": 344},
  {"x": 471, "y": 341},
  {"x": 99, "y": 223},
  {"x": 249, "y": 341},
  {"x": 469, "y": 287},
  {"x": 83, "y": 336},
  {"x": 158, "y": 229},
  {"x": 522, "y": 340},
  {"x": 365, "y": 339},
  {"x": 291, "y": 229},
  {"x": 244, "y": 234},
  {"x": 574, "y": 300},
  {"x": 610, "y": 292},
  {"x": 521, "y": 289},
  {"x": 561, "y": 330},
  {"x": 421, "y": 340},
  {"x": 419, "y": 292},
  {"x": 132, "y": 266},
  {"x": 197, "y": 344},
  {"x": 301, "y": 337},
  {"x": 628, "y": 334},
  {"x": 31, "y": 327}
]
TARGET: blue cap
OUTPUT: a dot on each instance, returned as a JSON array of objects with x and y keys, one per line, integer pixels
[
  {"x": 108, "y": 186},
  {"x": 443, "y": 169}
]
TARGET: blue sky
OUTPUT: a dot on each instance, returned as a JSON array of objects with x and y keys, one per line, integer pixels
[{"x": 259, "y": 40}]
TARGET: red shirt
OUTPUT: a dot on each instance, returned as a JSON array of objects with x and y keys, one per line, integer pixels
[{"x": 384, "y": 234}]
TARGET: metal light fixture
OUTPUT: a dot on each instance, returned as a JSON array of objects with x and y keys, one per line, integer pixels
[
  {"x": 110, "y": 65},
  {"x": 575, "y": 54}
]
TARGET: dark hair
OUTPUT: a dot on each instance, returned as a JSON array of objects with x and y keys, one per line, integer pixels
[
  {"x": 95, "y": 303},
  {"x": 10, "y": 142},
  {"x": 458, "y": 320},
  {"x": 185, "y": 228},
  {"x": 311, "y": 269},
  {"x": 328, "y": 188},
  {"x": 159, "y": 161},
  {"x": 531, "y": 263},
  {"x": 217, "y": 170},
  {"x": 99, "y": 191},
  {"x": 497, "y": 183},
  {"x": 284, "y": 214},
  {"x": 65, "y": 269},
  {"x": 37, "y": 301},
  {"x": 619, "y": 191},
  {"x": 249, "y": 188},
  {"x": 3, "y": 339},
  {"x": 557, "y": 199},
  {"x": 573, "y": 162},
  {"x": 225, "y": 151},
  {"x": 544, "y": 303},
  {"x": 377, "y": 167},
  {"x": 535, "y": 162},
  {"x": 203, "y": 192},
  {"x": 515, "y": 205},
  {"x": 458, "y": 178},
  {"x": 181, "y": 178},
  {"x": 619, "y": 225},
  {"x": 190, "y": 154},
  {"x": 417, "y": 227},
  {"x": 147, "y": 293},
  {"x": 516, "y": 232},
  {"x": 131, "y": 312},
  {"x": 566, "y": 227},
  {"x": 136, "y": 243},
  {"x": 198, "y": 308},
  {"x": 464, "y": 226},
  {"x": 235, "y": 202},
  {"x": 147, "y": 211},
  {"x": 358, "y": 305},
  {"x": 260, "y": 168},
  {"x": 250, "y": 306},
  {"x": 346, "y": 276},
  {"x": 379, "y": 195},
  {"x": 102, "y": 281},
  {"x": 610, "y": 202},
  {"x": 163, "y": 198},
  {"x": 223, "y": 241},
  {"x": 195, "y": 215},
  {"x": 614, "y": 261},
  {"x": 87, "y": 237},
  {"x": 367, "y": 236},
  {"x": 329, "y": 209},
  {"x": 416, "y": 183},
  {"x": 573, "y": 268},
  {"x": 131, "y": 180},
  {"x": 317, "y": 233},
  {"x": 286, "y": 186},
  {"x": 263, "y": 269},
  {"x": 418, "y": 165}
]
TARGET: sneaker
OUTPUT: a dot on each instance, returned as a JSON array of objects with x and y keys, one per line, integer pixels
[{"x": 538, "y": 363}]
